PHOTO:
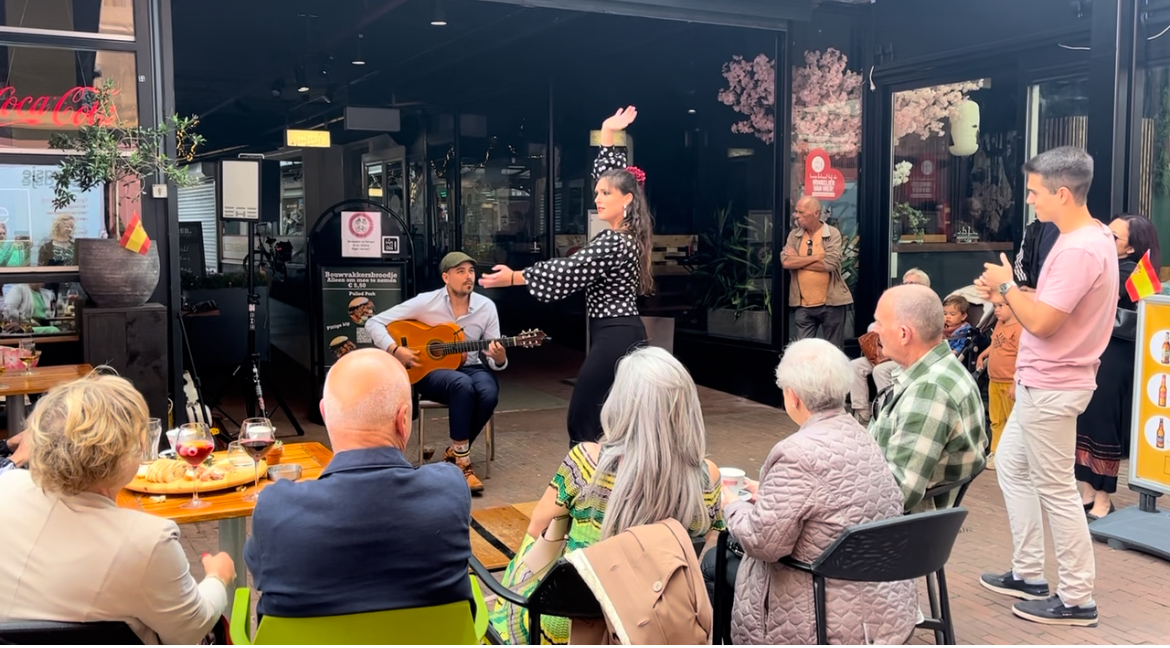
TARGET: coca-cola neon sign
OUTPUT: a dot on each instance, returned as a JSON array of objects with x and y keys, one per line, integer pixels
[{"x": 75, "y": 108}]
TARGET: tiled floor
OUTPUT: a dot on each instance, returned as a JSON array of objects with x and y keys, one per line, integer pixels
[{"x": 531, "y": 439}]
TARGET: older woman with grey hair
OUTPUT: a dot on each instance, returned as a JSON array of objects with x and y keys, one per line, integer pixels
[
  {"x": 73, "y": 554},
  {"x": 828, "y": 476}
]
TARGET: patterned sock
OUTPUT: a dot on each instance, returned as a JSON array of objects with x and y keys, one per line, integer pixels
[{"x": 461, "y": 450}]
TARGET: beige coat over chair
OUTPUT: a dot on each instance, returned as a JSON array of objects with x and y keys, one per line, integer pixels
[
  {"x": 827, "y": 477},
  {"x": 651, "y": 591}
]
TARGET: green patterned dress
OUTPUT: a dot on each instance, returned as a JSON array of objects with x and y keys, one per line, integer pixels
[{"x": 571, "y": 481}]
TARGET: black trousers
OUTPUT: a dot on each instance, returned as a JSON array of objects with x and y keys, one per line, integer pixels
[{"x": 610, "y": 338}]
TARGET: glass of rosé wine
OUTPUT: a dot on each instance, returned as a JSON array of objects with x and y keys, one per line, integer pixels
[{"x": 194, "y": 445}]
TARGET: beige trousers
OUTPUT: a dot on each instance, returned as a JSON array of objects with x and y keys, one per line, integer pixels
[{"x": 1034, "y": 464}]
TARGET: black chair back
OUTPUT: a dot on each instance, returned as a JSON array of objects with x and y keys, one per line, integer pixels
[
  {"x": 562, "y": 593},
  {"x": 942, "y": 489},
  {"x": 902, "y": 548},
  {"x": 46, "y": 633}
]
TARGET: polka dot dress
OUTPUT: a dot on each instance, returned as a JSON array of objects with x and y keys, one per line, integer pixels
[{"x": 606, "y": 268}]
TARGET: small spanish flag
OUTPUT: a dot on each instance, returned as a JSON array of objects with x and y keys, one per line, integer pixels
[
  {"x": 135, "y": 238},
  {"x": 1144, "y": 280}
]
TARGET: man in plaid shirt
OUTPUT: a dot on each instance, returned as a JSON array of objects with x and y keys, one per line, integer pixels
[{"x": 929, "y": 422}]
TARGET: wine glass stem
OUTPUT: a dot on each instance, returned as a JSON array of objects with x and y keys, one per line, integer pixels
[
  {"x": 195, "y": 496},
  {"x": 256, "y": 462}
]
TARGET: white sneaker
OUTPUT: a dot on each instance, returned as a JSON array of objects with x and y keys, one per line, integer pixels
[{"x": 991, "y": 461}]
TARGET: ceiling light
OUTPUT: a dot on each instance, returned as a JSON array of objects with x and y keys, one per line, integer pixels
[
  {"x": 690, "y": 111},
  {"x": 299, "y": 73},
  {"x": 440, "y": 16},
  {"x": 358, "y": 60}
]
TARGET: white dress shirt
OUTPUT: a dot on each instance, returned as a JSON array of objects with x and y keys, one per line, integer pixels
[
  {"x": 81, "y": 558},
  {"x": 481, "y": 322}
]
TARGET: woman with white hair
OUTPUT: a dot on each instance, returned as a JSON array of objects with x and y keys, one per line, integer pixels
[
  {"x": 828, "y": 476},
  {"x": 649, "y": 466},
  {"x": 73, "y": 554}
]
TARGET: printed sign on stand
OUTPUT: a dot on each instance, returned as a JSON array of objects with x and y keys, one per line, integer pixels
[
  {"x": 361, "y": 234},
  {"x": 821, "y": 180},
  {"x": 924, "y": 180},
  {"x": 350, "y": 295},
  {"x": 1149, "y": 464}
]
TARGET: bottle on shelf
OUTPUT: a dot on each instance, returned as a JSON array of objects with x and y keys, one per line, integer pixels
[
  {"x": 1166, "y": 349},
  {"x": 1160, "y": 439},
  {"x": 1162, "y": 393}
]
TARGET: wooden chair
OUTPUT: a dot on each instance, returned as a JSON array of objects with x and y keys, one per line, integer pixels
[{"x": 489, "y": 433}]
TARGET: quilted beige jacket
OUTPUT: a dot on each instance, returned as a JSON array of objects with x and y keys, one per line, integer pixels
[{"x": 828, "y": 476}]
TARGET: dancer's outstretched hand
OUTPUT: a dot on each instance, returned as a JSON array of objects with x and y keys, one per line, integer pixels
[{"x": 620, "y": 119}]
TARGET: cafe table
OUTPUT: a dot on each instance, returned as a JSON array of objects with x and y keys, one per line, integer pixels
[
  {"x": 228, "y": 507},
  {"x": 16, "y": 384}
]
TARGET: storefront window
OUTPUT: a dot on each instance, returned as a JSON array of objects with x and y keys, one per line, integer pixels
[
  {"x": 503, "y": 183},
  {"x": 292, "y": 198},
  {"x": 955, "y": 168},
  {"x": 33, "y": 234},
  {"x": 1058, "y": 115},
  {"x": 114, "y": 17},
  {"x": 1153, "y": 145},
  {"x": 43, "y": 91}
]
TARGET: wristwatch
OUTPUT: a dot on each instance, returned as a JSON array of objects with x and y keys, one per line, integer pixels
[{"x": 1006, "y": 287}]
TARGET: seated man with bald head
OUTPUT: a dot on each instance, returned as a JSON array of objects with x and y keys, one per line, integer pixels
[
  {"x": 929, "y": 423},
  {"x": 372, "y": 532}
]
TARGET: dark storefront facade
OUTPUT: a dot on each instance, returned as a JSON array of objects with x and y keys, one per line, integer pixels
[
  {"x": 55, "y": 53},
  {"x": 923, "y": 112}
]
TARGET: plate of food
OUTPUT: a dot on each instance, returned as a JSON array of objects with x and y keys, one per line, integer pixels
[{"x": 167, "y": 476}]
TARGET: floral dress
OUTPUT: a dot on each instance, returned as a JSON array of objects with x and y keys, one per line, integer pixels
[{"x": 572, "y": 479}]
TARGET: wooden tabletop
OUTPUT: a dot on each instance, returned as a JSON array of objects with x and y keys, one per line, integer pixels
[
  {"x": 496, "y": 533},
  {"x": 16, "y": 383},
  {"x": 227, "y": 504}
]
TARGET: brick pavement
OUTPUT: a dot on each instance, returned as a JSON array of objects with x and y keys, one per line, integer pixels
[{"x": 531, "y": 443}]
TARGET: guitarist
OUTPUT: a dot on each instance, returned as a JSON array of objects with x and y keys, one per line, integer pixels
[{"x": 471, "y": 392}]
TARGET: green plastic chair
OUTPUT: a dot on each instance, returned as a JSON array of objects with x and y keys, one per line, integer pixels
[{"x": 449, "y": 624}]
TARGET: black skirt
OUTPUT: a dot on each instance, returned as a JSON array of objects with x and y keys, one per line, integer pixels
[
  {"x": 1103, "y": 430},
  {"x": 610, "y": 338}
]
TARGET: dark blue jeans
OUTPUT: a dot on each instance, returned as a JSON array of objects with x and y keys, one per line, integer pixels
[{"x": 470, "y": 393}]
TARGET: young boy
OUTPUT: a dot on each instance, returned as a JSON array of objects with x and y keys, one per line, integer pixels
[
  {"x": 955, "y": 327},
  {"x": 1000, "y": 361}
]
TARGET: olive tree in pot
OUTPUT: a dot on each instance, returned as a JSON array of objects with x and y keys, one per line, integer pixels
[{"x": 106, "y": 152}]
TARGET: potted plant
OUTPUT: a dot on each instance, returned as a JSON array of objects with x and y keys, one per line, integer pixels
[
  {"x": 107, "y": 152},
  {"x": 733, "y": 278}
]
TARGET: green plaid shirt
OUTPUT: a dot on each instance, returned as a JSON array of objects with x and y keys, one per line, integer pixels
[{"x": 929, "y": 424}]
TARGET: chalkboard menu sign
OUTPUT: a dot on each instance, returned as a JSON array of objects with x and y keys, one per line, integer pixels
[{"x": 191, "y": 258}]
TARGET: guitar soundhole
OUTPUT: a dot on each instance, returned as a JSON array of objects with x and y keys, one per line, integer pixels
[{"x": 435, "y": 349}]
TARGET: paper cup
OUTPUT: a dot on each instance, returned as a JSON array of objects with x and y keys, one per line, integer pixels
[{"x": 733, "y": 478}]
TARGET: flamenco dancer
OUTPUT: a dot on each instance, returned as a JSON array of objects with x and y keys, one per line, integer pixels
[{"x": 613, "y": 269}]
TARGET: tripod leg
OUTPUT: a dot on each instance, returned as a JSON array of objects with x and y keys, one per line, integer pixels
[{"x": 285, "y": 408}]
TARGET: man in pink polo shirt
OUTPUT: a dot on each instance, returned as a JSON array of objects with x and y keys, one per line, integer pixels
[{"x": 1067, "y": 323}]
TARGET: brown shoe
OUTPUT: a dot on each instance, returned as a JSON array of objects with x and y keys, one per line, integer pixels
[{"x": 473, "y": 482}]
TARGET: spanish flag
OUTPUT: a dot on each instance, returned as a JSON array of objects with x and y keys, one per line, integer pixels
[
  {"x": 1144, "y": 280},
  {"x": 135, "y": 238}
]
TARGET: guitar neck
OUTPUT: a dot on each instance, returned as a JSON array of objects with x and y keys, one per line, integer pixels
[{"x": 479, "y": 345}]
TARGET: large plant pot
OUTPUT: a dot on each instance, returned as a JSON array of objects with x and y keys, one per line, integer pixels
[
  {"x": 749, "y": 325},
  {"x": 115, "y": 277}
]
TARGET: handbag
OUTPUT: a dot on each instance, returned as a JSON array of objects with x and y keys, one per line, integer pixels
[
  {"x": 1125, "y": 325},
  {"x": 871, "y": 348}
]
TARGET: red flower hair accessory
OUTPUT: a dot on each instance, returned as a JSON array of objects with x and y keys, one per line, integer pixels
[{"x": 639, "y": 175}]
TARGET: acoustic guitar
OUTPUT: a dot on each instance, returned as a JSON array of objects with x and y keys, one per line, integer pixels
[{"x": 444, "y": 346}]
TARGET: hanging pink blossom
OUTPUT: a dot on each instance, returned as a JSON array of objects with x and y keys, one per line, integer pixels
[
  {"x": 921, "y": 111},
  {"x": 826, "y": 101}
]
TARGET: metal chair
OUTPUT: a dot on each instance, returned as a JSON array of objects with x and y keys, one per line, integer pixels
[
  {"x": 897, "y": 549},
  {"x": 933, "y": 622},
  {"x": 560, "y": 593},
  {"x": 48, "y": 633},
  {"x": 489, "y": 434}
]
